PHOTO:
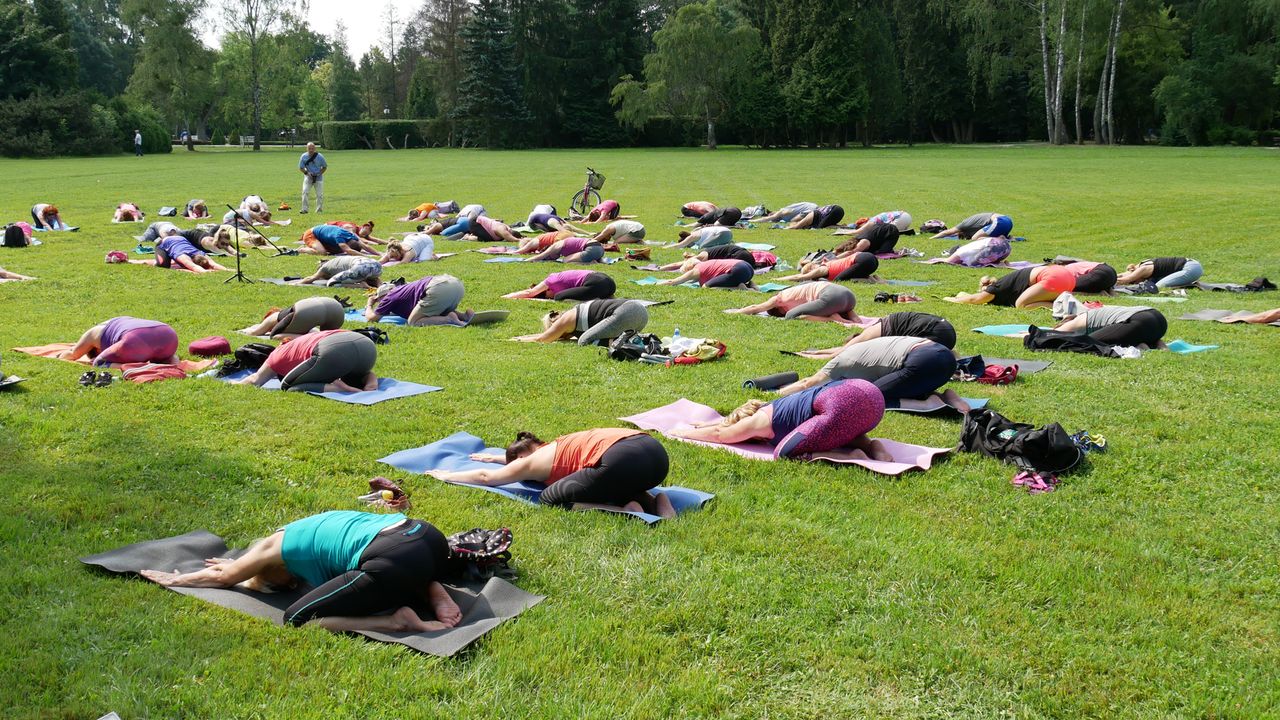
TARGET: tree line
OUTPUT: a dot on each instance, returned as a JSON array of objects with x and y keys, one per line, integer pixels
[{"x": 78, "y": 76}]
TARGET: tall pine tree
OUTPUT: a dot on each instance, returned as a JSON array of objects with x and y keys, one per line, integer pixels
[{"x": 490, "y": 109}]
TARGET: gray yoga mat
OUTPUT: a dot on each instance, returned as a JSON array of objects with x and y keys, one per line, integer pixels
[
  {"x": 484, "y": 605},
  {"x": 1025, "y": 367}
]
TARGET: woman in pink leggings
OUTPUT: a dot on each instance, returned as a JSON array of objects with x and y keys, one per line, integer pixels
[
  {"x": 835, "y": 416},
  {"x": 126, "y": 339}
]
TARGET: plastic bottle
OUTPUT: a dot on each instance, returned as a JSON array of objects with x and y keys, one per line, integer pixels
[{"x": 675, "y": 336}]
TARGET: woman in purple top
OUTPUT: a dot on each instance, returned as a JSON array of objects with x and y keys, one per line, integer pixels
[
  {"x": 574, "y": 250},
  {"x": 127, "y": 340},
  {"x": 177, "y": 249},
  {"x": 433, "y": 300},
  {"x": 569, "y": 285}
]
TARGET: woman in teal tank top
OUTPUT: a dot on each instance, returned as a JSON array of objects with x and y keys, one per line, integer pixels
[{"x": 356, "y": 563}]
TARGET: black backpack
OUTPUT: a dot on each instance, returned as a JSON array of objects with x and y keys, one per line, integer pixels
[
  {"x": 14, "y": 237},
  {"x": 253, "y": 355},
  {"x": 376, "y": 334},
  {"x": 631, "y": 345},
  {"x": 1045, "y": 450}
]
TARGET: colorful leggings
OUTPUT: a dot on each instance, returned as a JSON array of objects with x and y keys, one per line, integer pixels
[
  {"x": 149, "y": 344},
  {"x": 842, "y": 412}
]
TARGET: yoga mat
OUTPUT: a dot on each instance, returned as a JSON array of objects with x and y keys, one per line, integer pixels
[
  {"x": 1002, "y": 330},
  {"x": 1219, "y": 287},
  {"x": 52, "y": 350},
  {"x": 388, "y": 389},
  {"x": 1226, "y": 316},
  {"x": 683, "y": 413},
  {"x": 763, "y": 247},
  {"x": 1182, "y": 347},
  {"x": 1144, "y": 299},
  {"x": 772, "y": 287},
  {"x": 295, "y": 283},
  {"x": 30, "y": 243},
  {"x": 935, "y": 404},
  {"x": 497, "y": 250},
  {"x": 909, "y": 283},
  {"x": 505, "y": 259},
  {"x": 11, "y": 380},
  {"x": 1025, "y": 367},
  {"x": 357, "y": 316},
  {"x": 453, "y": 453},
  {"x": 771, "y": 382},
  {"x": 890, "y": 255},
  {"x": 484, "y": 605}
]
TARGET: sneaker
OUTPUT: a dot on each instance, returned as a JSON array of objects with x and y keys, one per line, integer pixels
[
  {"x": 87, "y": 379},
  {"x": 104, "y": 379},
  {"x": 304, "y": 212}
]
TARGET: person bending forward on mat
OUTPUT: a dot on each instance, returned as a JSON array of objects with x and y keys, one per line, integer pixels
[
  {"x": 818, "y": 219},
  {"x": 432, "y": 300},
  {"x": 327, "y": 361},
  {"x": 571, "y": 250},
  {"x": 347, "y": 270},
  {"x": 1093, "y": 277},
  {"x": 899, "y": 324},
  {"x": 790, "y": 212},
  {"x": 847, "y": 266},
  {"x": 1165, "y": 272},
  {"x": 300, "y": 318},
  {"x": 177, "y": 249},
  {"x": 1125, "y": 325},
  {"x": 127, "y": 339},
  {"x": 621, "y": 231},
  {"x": 414, "y": 247},
  {"x": 906, "y": 369},
  {"x": 979, "y": 225},
  {"x": 569, "y": 285},
  {"x": 719, "y": 252},
  {"x": 332, "y": 240},
  {"x": 815, "y": 301},
  {"x": 611, "y": 468},
  {"x": 877, "y": 239},
  {"x": 591, "y": 322},
  {"x": 705, "y": 237},
  {"x": 606, "y": 211},
  {"x": 727, "y": 216},
  {"x": 833, "y": 416},
  {"x": 127, "y": 212},
  {"x": 1025, "y": 288},
  {"x": 358, "y": 564},
  {"x": 717, "y": 274}
]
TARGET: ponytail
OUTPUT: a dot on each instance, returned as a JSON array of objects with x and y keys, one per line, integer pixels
[{"x": 526, "y": 442}]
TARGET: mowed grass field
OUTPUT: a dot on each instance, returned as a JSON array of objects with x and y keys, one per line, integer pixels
[{"x": 1145, "y": 587}]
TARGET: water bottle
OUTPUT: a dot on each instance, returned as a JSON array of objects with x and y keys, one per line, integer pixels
[{"x": 675, "y": 336}]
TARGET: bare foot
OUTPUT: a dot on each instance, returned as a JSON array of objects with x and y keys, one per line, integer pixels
[
  {"x": 446, "y": 610},
  {"x": 877, "y": 451},
  {"x": 664, "y": 506}
]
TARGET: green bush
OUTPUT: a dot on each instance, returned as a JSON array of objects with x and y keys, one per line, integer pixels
[
  {"x": 67, "y": 124},
  {"x": 156, "y": 137},
  {"x": 361, "y": 134}
]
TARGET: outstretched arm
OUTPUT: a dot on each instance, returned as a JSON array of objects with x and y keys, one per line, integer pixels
[
  {"x": 517, "y": 470},
  {"x": 563, "y": 325},
  {"x": 536, "y": 291},
  {"x": 686, "y": 277},
  {"x": 805, "y": 383},
  {"x": 754, "y": 309}
]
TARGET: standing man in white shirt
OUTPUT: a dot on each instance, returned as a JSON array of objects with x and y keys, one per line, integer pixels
[
  {"x": 137, "y": 143},
  {"x": 312, "y": 165}
]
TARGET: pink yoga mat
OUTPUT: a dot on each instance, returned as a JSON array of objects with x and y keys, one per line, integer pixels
[
  {"x": 864, "y": 323},
  {"x": 497, "y": 250},
  {"x": 683, "y": 413},
  {"x": 52, "y": 351}
]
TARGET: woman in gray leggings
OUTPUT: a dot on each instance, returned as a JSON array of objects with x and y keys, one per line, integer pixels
[
  {"x": 816, "y": 301},
  {"x": 329, "y": 361},
  {"x": 592, "y": 322},
  {"x": 300, "y": 318}
]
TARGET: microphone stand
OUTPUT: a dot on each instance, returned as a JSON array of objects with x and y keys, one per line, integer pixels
[{"x": 239, "y": 276}]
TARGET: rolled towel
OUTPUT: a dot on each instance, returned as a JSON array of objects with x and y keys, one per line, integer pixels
[{"x": 771, "y": 382}]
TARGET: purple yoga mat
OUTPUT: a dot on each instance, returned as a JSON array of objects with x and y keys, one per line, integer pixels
[
  {"x": 497, "y": 250},
  {"x": 682, "y": 413}
]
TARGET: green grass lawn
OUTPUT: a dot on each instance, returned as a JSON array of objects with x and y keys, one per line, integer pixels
[{"x": 1145, "y": 587}]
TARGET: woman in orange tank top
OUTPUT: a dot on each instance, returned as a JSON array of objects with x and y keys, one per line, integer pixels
[{"x": 609, "y": 467}]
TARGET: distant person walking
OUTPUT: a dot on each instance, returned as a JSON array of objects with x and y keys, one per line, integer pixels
[
  {"x": 137, "y": 143},
  {"x": 312, "y": 165}
]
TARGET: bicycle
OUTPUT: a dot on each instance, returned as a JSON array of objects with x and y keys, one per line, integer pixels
[{"x": 589, "y": 196}]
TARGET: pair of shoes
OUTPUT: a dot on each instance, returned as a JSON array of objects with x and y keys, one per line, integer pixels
[
  {"x": 884, "y": 297},
  {"x": 304, "y": 212},
  {"x": 96, "y": 379}
]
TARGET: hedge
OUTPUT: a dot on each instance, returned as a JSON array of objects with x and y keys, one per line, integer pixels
[{"x": 366, "y": 134}]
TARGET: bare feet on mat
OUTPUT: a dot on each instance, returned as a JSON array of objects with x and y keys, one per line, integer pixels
[
  {"x": 445, "y": 609},
  {"x": 877, "y": 451},
  {"x": 664, "y": 506}
]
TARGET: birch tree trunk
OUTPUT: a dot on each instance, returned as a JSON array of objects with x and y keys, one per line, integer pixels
[
  {"x": 1111, "y": 82},
  {"x": 1060, "y": 134},
  {"x": 1050, "y": 131},
  {"x": 1079, "y": 64}
]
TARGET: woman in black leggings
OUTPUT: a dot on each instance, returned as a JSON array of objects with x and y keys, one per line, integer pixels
[
  {"x": 397, "y": 563},
  {"x": 611, "y": 468},
  {"x": 1125, "y": 325},
  {"x": 569, "y": 285},
  {"x": 327, "y": 361}
]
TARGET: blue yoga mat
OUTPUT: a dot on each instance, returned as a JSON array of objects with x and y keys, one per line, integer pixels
[
  {"x": 1002, "y": 330},
  {"x": 504, "y": 259},
  {"x": 1182, "y": 347},
  {"x": 452, "y": 453},
  {"x": 354, "y": 315},
  {"x": 388, "y": 389}
]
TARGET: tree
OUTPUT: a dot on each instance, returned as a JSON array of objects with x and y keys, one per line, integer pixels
[
  {"x": 607, "y": 44},
  {"x": 255, "y": 20},
  {"x": 442, "y": 44},
  {"x": 343, "y": 88},
  {"x": 701, "y": 56},
  {"x": 420, "y": 103},
  {"x": 490, "y": 105},
  {"x": 172, "y": 66},
  {"x": 103, "y": 51}
]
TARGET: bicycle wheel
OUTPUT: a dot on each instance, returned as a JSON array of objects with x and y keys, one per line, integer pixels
[{"x": 582, "y": 201}]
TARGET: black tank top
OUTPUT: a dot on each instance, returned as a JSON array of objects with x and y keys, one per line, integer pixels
[
  {"x": 1163, "y": 267},
  {"x": 1007, "y": 289},
  {"x": 598, "y": 310}
]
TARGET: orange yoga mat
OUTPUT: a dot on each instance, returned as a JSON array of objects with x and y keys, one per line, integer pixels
[{"x": 52, "y": 350}]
